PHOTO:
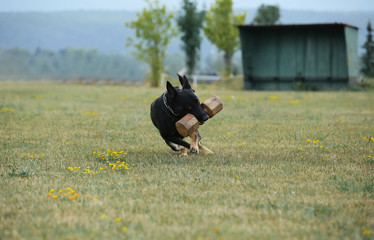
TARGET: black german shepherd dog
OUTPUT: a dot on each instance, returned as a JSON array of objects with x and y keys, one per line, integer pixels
[{"x": 170, "y": 107}]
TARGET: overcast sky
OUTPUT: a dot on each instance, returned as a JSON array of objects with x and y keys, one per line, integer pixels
[{"x": 135, "y": 5}]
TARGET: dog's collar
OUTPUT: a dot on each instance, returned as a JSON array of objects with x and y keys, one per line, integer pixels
[{"x": 167, "y": 105}]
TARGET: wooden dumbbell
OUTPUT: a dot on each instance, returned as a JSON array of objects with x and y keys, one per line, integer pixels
[
  {"x": 187, "y": 125},
  {"x": 212, "y": 105}
]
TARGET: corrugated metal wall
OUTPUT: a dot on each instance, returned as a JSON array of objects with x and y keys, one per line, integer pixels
[{"x": 286, "y": 57}]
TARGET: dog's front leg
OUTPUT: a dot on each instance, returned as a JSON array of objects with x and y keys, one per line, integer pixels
[{"x": 194, "y": 143}]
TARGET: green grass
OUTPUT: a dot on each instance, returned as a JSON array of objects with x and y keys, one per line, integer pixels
[{"x": 287, "y": 165}]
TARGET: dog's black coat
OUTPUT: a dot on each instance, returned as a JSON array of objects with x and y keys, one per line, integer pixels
[{"x": 171, "y": 106}]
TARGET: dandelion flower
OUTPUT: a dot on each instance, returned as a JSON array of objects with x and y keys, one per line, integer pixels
[
  {"x": 55, "y": 197},
  {"x": 103, "y": 216},
  {"x": 124, "y": 228},
  {"x": 118, "y": 219},
  {"x": 49, "y": 195}
]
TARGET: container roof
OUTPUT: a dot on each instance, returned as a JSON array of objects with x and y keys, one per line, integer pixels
[{"x": 297, "y": 26}]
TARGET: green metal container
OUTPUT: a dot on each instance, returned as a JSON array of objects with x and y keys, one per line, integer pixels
[{"x": 312, "y": 56}]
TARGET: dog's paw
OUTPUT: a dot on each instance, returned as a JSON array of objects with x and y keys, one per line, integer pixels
[
  {"x": 194, "y": 150},
  {"x": 183, "y": 152}
]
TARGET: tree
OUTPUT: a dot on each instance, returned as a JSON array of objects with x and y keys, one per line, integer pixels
[
  {"x": 368, "y": 56},
  {"x": 220, "y": 29},
  {"x": 153, "y": 29},
  {"x": 267, "y": 14},
  {"x": 190, "y": 21}
]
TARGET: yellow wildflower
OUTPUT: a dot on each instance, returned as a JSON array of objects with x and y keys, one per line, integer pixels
[
  {"x": 216, "y": 229},
  {"x": 294, "y": 102},
  {"x": 7, "y": 109},
  {"x": 274, "y": 98}
]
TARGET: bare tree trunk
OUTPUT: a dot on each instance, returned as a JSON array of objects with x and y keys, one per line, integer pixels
[{"x": 228, "y": 64}]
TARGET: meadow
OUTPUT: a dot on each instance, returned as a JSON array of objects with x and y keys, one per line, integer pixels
[{"x": 85, "y": 161}]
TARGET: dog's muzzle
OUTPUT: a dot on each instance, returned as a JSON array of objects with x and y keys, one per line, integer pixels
[{"x": 205, "y": 117}]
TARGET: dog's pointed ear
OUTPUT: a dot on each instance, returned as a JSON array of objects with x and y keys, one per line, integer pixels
[
  {"x": 186, "y": 84},
  {"x": 180, "y": 79},
  {"x": 171, "y": 90}
]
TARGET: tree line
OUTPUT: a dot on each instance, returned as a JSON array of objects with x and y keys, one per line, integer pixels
[
  {"x": 154, "y": 28},
  {"x": 69, "y": 64}
]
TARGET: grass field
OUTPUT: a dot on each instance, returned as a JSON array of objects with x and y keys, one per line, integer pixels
[{"x": 85, "y": 162}]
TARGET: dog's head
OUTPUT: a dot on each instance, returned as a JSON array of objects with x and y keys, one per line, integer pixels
[{"x": 184, "y": 100}]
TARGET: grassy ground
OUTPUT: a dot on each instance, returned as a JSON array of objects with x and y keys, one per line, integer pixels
[{"x": 86, "y": 162}]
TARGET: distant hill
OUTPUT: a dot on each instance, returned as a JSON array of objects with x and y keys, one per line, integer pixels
[{"x": 105, "y": 30}]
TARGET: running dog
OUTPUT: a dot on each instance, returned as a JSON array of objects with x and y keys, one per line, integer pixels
[{"x": 170, "y": 107}]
